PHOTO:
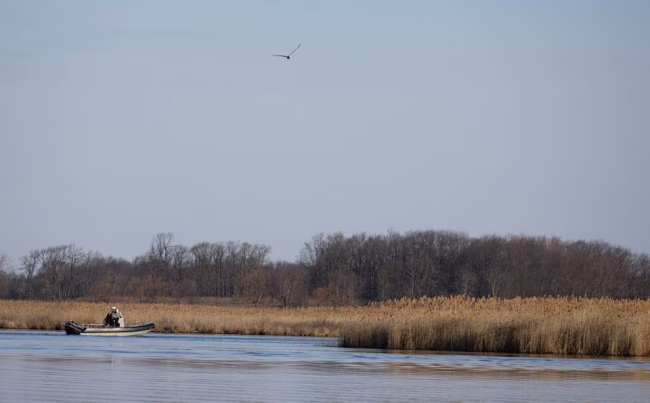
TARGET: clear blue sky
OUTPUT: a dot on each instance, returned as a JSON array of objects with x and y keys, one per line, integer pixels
[{"x": 123, "y": 119}]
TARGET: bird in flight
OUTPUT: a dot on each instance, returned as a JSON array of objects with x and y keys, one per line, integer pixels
[{"x": 289, "y": 55}]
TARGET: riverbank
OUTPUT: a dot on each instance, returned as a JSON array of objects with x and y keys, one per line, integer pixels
[
  {"x": 181, "y": 318},
  {"x": 565, "y": 326}
]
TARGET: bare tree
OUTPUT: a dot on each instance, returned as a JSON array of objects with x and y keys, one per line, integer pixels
[
  {"x": 202, "y": 261},
  {"x": 71, "y": 278},
  {"x": 311, "y": 256},
  {"x": 222, "y": 272},
  {"x": 180, "y": 283},
  {"x": 5, "y": 276},
  {"x": 159, "y": 261},
  {"x": 256, "y": 283},
  {"x": 89, "y": 268},
  {"x": 247, "y": 258},
  {"x": 53, "y": 261},
  {"x": 5, "y": 264},
  {"x": 29, "y": 265},
  {"x": 287, "y": 282},
  {"x": 640, "y": 279}
]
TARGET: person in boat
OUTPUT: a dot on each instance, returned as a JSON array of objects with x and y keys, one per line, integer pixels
[{"x": 114, "y": 318}]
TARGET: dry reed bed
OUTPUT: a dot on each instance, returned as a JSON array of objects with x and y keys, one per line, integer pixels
[
  {"x": 177, "y": 318},
  {"x": 567, "y": 326}
]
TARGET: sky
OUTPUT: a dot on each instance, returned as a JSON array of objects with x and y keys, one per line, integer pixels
[{"x": 123, "y": 119}]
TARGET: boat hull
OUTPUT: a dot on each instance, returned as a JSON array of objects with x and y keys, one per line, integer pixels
[{"x": 99, "y": 330}]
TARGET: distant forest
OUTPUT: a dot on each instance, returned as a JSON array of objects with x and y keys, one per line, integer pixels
[{"x": 334, "y": 270}]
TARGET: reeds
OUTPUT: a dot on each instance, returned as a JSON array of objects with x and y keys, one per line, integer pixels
[
  {"x": 566, "y": 326},
  {"x": 178, "y": 318}
]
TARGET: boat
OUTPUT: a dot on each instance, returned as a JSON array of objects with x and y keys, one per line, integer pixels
[{"x": 101, "y": 330}]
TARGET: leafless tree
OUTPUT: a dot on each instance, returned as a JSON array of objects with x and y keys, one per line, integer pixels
[
  {"x": 255, "y": 284},
  {"x": 159, "y": 262},
  {"x": 180, "y": 283},
  {"x": 202, "y": 263},
  {"x": 246, "y": 258},
  {"x": 53, "y": 261},
  {"x": 29, "y": 265},
  {"x": 5, "y": 264},
  {"x": 91, "y": 262},
  {"x": 71, "y": 282},
  {"x": 5, "y": 276},
  {"x": 288, "y": 282}
]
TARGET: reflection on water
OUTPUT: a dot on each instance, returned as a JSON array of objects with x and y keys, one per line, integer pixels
[{"x": 50, "y": 366}]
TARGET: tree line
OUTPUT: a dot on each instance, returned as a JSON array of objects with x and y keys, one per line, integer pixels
[{"x": 334, "y": 269}]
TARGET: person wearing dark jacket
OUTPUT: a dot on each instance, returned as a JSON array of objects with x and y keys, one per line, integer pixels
[{"x": 114, "y": 318}]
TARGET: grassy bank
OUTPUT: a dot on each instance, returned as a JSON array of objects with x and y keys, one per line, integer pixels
[{"x": 564, "y": 326}]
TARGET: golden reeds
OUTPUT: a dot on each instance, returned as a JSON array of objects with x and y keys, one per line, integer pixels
[
  {"x": 177, "y": 318},
  {"x": 567, "y": 326}
]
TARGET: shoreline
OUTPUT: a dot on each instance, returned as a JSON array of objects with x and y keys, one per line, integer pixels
[{"x": 558, "y": 326}]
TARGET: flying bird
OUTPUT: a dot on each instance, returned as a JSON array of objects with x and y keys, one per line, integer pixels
[{"x": 289, "y": 55}]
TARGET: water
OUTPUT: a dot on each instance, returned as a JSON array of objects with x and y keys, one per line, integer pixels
[{"x": 54, "y": 367}]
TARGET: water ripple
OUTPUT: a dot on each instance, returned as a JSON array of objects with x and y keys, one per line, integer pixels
[{"x": 50, "y": 366}]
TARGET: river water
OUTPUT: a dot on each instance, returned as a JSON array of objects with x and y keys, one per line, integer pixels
[{"x": 40, "y": 366}]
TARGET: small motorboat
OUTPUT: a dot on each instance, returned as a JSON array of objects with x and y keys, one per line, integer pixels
[{"x": 102, "y": 330}]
